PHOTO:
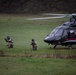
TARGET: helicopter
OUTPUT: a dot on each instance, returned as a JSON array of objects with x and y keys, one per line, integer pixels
[{"x": 64, "y": 34}]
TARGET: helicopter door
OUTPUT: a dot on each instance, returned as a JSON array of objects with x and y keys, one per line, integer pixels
[{"x": 71, "y": 34}]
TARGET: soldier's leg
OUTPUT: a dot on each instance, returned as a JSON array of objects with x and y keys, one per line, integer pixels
[
  {"x": 11, "y": 45},
  {"x": 35, "y": 47},
  {"x": 32, "y": 47},
  {"x": 8, "y": 45}
]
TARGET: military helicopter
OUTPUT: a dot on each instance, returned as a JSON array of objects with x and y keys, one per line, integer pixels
[{"x": 64, "y": 34}]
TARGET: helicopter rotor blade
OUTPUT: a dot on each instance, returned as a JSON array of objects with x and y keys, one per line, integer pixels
[
  {"x": 44, "y": 18},
  {"x": 52, "y": 16}
]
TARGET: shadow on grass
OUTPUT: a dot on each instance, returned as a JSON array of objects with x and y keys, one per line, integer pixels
[{"x": 64, "y": 49}]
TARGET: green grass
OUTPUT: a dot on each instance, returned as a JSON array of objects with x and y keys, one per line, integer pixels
[
  {"x": 22, "y": 31},
  {"x": 36, "y": 66}
]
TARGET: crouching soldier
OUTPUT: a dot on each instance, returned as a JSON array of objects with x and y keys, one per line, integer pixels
[
  {"x": 9, "y": 42},
  {"x": 34, "y": 45}
]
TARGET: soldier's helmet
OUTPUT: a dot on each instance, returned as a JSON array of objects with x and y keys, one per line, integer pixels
[
  {"x": 8, "y": 37},
  {"x": 33, "y": 40}
]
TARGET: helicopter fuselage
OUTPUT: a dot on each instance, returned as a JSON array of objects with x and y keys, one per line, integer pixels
[{"x": 62, "y": 35}]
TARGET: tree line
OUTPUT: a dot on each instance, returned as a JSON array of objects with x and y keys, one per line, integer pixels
[{"x": 36, "y": 6}]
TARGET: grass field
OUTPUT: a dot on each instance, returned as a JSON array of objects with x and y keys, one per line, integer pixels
[
  {"x": 22, "y": 31},
  {"x": 36, "y": 66}
]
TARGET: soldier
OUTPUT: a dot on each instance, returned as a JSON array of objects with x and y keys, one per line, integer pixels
[
  {"x": 9, "y": 42},
  {"x": 34, "y": 45}
]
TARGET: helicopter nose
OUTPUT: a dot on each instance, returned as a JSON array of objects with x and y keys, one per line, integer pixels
[{"x": 47, "y": 40}]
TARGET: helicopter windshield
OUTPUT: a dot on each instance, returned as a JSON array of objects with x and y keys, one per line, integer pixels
[
  {"x": 56, "y": 32},
  {"x": 53, "y": 32}
]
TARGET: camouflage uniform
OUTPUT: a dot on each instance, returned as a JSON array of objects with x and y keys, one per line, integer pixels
[
  {"x": 9, "y": 42},
  {"x": 34, "y": 45}
]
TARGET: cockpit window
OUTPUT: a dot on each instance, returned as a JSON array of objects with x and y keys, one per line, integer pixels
[
  {"x": 56, "y": 32},
  {"x": 65, "y": 33},
  {"x": 59, "y": 33}
]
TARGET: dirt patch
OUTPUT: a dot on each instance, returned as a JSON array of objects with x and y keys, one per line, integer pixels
[
  {"x": 2, "y": 54},
  {"x": 42, "y": 55}
]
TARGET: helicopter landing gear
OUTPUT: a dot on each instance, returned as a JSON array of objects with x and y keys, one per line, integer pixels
[
  {"x": 55, "y": 46},
  {"x": 58, "y": 43},
  {"x": 70, "y": 46}
]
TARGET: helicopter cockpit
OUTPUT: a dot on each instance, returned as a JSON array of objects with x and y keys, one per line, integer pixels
[{"x": 56, "y": 33}]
